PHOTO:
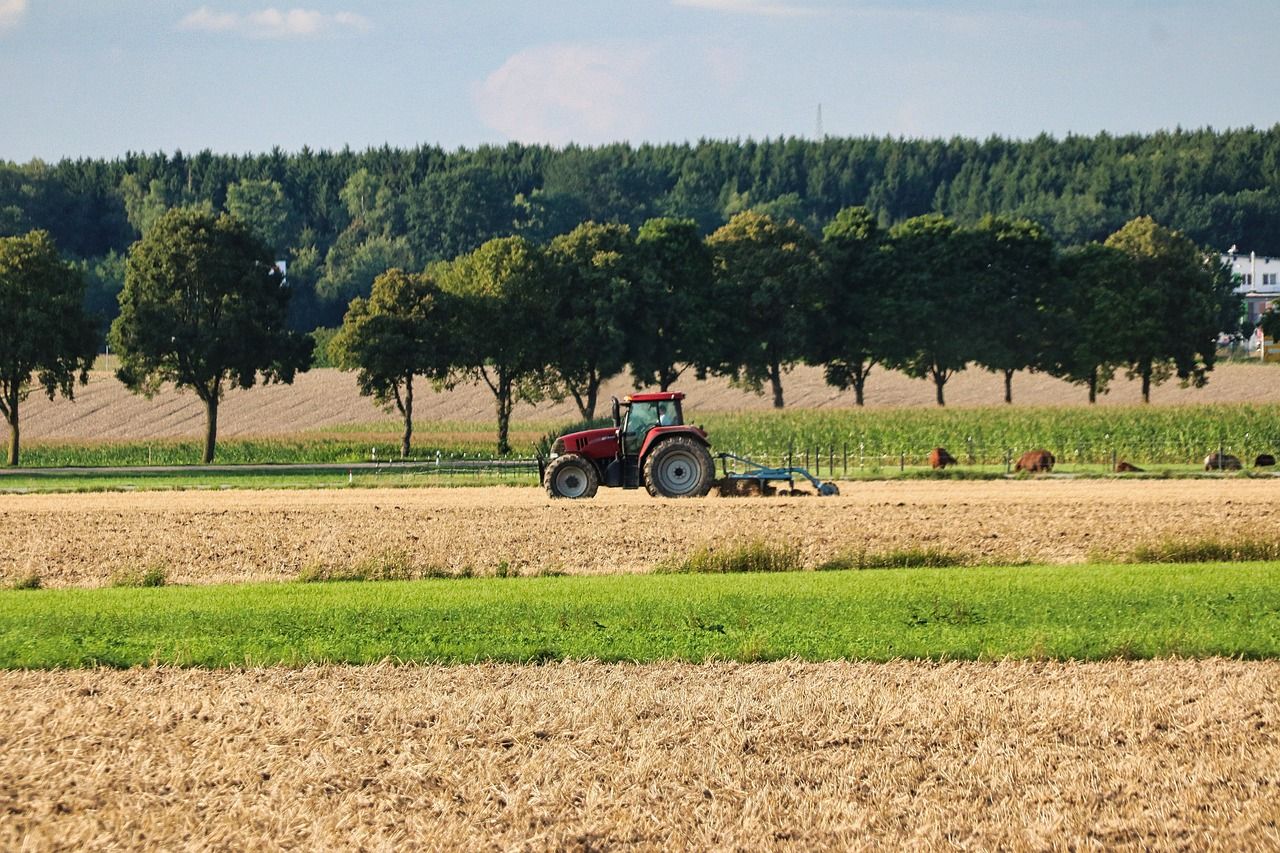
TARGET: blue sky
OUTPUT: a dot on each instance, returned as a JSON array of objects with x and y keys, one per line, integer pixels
[{"x": 101, "y": 77}]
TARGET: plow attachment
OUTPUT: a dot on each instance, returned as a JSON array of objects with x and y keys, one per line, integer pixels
[{"x": 757, "y": 479}]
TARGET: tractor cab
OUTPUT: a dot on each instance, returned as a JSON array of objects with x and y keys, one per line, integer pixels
[{"x": 643, "y": 413}]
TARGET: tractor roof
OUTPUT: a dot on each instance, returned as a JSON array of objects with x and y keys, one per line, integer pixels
[{"x": 653, "y": 398}]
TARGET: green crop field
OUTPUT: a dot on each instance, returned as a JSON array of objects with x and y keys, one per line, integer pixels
[
  {"x": 1077, "y": 435},
  {"x": 257, "y": 478},
  {"x": 876, "y": 441},
  {"x": 1079, "y": 612}
]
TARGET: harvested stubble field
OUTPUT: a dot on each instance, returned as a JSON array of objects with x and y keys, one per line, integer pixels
[
  {"x": 1163, "y": 754},
  {"x": 327, "y": 400},
  {"x": 234, "y": 536}
]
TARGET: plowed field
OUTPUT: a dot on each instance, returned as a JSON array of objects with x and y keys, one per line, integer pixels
[
  {"x": 1163, "y": 755},
  {"x": 229, "y": 536},
  {"x": 325, "y": 399}
]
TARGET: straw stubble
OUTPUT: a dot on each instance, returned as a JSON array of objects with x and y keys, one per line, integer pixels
[
  {"x": 231, "y": 536},
  {"x": 784, "y": 755}
]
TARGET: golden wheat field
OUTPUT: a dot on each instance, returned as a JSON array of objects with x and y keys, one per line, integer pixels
[
  {"x": 234, "y": 536},
  {"x": 323, "y": 399},
  {"x": 1165, "y": 755}
]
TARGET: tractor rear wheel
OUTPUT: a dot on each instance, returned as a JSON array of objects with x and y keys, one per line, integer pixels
[
  {"x": 571, "y": 476},
  {"x": 680, "y": 467}
]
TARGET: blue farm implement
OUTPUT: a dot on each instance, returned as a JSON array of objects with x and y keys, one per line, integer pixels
[{"x": 751, "y": 478}]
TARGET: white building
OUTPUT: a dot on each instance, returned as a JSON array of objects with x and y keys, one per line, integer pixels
[{"x": 1258, "y": 280}]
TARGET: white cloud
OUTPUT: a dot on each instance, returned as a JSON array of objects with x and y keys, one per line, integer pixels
[
  {"x": 207, "y": 20},
  {"x": 272, "y": 23},
  {"x": 11, "y": 11},
  {"x": 769, "y": 8},
  {"x": 563, "y": 93}
]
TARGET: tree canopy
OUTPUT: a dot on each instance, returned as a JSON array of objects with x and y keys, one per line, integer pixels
[
  {"x": 403, "y": 330},
  {"x": 45, "y": 332},
  {"x": 1217, "y": 187},
  {"x": 857, "y": 323},
  {"x": 934, "y": 270},
  {"x": 204, "y": 308},
  {"x": 594, "y": 268},
  {"x": 767, "y": 276},
  {"x": 1183, "y": 300},
  {"x": 672, "y": 324},
  {"x": 506, "y": 322}
]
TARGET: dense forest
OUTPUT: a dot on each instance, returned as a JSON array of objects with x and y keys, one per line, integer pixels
[{"x": 340, "y": 218}]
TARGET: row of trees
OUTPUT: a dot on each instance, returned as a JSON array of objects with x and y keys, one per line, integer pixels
[
  {"x": 204, "y": 307},
  {"x": 758, "y": 296},
  {"x": 341, "y": 218}
]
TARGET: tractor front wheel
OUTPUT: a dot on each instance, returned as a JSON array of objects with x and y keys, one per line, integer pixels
[
  {"x": 679, "y": 467},
  {"x": 571, "y": 476}
]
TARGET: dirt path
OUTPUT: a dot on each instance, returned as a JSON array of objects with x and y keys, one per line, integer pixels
[
  {"x": 1162, "y": 754},
  {"x": 231, "y": 536}
]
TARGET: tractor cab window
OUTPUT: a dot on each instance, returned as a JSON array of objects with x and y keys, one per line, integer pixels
[{"x": 642, "y": 418}]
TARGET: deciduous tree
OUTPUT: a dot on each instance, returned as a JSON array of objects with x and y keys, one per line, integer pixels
[
  {"x": 506, "y": 316},
  {"x": 767, "y": 278},
  {"x": 934, "y": 269},
  {"x": 44, "y": 330},
  {"x": 1090, "y": 317},
  {"x": 594, "y": 270},
  {"x": 858, "y": 321},
  {"x": 671, "y": 324},
  {"x": 1014, "y": 277},
  {"x": 1185, "y": 293},
  {"x": 402, "y": 331},
  {"x": 265, "y": 208},
  {"x": 204, "y": 307}
]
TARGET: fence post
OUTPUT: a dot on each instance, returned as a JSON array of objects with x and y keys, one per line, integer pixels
[
  {"x": 969, "y": 442},
  {"x": 846, "y": 459},
  {"x": 1221, "y": 450},
  {"x": 831, "y": 460},
  {"x": 902, "y": 461},
  {"x": 1008, "y": 459},
  {"x": 862, "y": 455}
]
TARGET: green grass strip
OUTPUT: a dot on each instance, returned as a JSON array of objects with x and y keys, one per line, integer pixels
[
  {"x": 1078, "y": 612},
  {"x": 105, "y": 481}
]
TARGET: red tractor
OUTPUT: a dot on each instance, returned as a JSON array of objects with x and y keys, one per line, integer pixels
[{"x": 648, "y": 445}]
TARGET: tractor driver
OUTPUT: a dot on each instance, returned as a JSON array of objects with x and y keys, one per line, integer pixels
[{"x": 642, "y": 418}]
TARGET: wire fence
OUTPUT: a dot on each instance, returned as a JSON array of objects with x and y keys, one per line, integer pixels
[
  {"x": 832, "y": 459},
  {"x": 845, "y": 458}
]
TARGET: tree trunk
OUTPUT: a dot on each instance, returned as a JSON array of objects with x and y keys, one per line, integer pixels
[
  {"x": 587, "y": 405},
  {"x": 593, "y": 397},
  {"x": 1008, "y": 386},
  {"x": 939, "y": 381},
  {"x": 504, "y": 414},
  {"x": 667, "y": 377},
  {"x": 1146, "y": 382},
  {"x": 775, "y": 379},
  {"x": 210, "y": 427},
  {"x": 407, "y": 408},
  {"x": 859, "y": 383},
  {"x": 1093, "y": 386},
  {"x": 13, "y": 430}
]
